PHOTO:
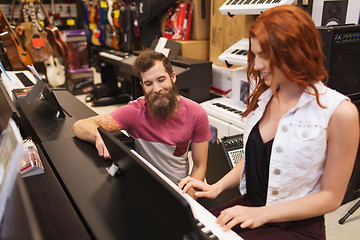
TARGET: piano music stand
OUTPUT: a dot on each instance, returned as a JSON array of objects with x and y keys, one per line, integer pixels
[{"x": 163, "y": 212}]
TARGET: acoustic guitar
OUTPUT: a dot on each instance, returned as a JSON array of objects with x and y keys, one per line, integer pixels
[
  {"x": 22, "y": 26},
  {"x": 17, "y": 53},
  {"x": 36, "y": 40},
  {"x": 58, "y": 45}
]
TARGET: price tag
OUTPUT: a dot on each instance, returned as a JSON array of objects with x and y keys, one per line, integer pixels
[
  {"x": 70, "y": 22},
  {"x": 38, "y": 42}
]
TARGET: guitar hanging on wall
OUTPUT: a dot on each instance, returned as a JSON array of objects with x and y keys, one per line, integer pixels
[
  {"x": 94, "y": 23},
  {"x": 17, "y": 53},
  {"x": 55, "y": 71},
  {"x": 53, "y": 35},
  {"x": 114, "y": 18},
  {"x": 36, "y": 39}
]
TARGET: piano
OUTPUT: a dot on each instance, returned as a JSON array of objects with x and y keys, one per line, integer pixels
[
  {"x": 206, "y": 222},
  {"x": 193, "y": 76},
  {"x": 236, "y": 54},
  {"x": 225, "y": 114},
  {"x": 176, "y": 215},
  {"x": 250, "y": 7}
]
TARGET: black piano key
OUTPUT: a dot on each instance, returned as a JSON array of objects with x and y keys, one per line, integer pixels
[{"x": 235, "y": 51}]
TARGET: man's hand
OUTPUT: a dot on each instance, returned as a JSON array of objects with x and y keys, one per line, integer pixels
[
  {"x": 204, "y": 189},
  {"x": 100, "y": 146}
]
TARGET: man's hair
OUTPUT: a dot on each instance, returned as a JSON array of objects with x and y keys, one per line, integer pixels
[
  {"x": 147, "y": 59},
  {"x": 291, "y": 42}
]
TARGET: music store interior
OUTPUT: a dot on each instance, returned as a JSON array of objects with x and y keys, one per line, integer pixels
[{"x": 65, "y": 60}]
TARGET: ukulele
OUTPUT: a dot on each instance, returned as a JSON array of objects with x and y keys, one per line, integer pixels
[
  {"x": 17, "y": 53},
  {"x": 36, "y": 40},
  {"x": 53, "y": 35}
]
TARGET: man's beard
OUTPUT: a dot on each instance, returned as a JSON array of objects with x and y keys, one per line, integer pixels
[{"x": 162, "y": 105}]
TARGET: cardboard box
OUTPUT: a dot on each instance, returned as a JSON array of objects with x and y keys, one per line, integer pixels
[
  {"x": 230, "y": 82},
  {"x": 195, "y": 49},
  {"x": 80, "y": 81},
  {"x": 200, "y": 27}
]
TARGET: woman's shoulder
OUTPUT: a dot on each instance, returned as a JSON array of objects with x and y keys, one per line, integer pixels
[{"x": 346, "y": 111}]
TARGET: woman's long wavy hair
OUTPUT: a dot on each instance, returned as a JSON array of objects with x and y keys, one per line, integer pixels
[{"x": 290, "y": 41}]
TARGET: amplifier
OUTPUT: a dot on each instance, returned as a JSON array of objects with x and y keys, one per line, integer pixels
[
  {"x": 233, "y": 149},
  {"x": 341, "y": 47}
]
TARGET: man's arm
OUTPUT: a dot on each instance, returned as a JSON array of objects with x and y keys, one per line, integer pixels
[
  {"x": 87, "y": 130},
  {"x": 199, "y": 154}
]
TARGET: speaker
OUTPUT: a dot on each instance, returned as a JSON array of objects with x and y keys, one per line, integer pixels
[
  {"x": 334, "y": 13},
  {"x": 341, "y": 47}
]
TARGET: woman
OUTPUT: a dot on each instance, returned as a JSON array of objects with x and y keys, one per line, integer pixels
[{"x": 301, "y": 138}]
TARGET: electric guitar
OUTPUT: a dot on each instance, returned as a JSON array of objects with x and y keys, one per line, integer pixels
[
  {"x": 36, "y": 39},
  {"x": 17, "y": 53},
  {"x": 94, "y": 23},
  {"x": 113, "y": 30},
  {"x": 55, "y": 71},
  {"x": 58, "y": 45}
]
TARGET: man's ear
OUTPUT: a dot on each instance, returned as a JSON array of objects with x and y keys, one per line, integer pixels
[{"x": 173, "y": 77}]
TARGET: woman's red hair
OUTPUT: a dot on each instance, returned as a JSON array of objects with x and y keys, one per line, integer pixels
[{"x": 290, "y": 41}]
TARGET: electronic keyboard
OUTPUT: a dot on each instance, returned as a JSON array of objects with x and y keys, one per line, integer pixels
[
  {"x": 236, "y": 54},
  {"x": 226, "y": 110},
  {"x": 249, "y": 7}
]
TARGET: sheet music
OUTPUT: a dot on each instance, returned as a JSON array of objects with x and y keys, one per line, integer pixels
[{"x": 160, "y": 47}]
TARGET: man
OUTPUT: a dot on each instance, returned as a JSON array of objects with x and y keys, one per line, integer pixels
[{"x": 162, "y": 122}]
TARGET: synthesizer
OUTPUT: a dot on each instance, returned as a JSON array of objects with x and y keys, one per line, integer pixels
[
  {"x": 250, "y": 7},
  {"x": 225, "y": 114},
  {"x": 236, "y": 54}
]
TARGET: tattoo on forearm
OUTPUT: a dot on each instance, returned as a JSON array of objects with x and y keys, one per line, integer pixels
[{"x": 108, "y": 123}]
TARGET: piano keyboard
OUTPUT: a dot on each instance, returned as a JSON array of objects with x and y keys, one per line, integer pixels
[
  {"x": 236, "y": 54},
  {"x": 226, "y": 109},
  {"x": 206, "y": 222},
  {"x": 235, "y": 7}
]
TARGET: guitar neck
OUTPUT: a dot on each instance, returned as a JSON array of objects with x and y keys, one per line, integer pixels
[
  {"x": 34, "y": 23},
  {"x": 47, "y": 18},
  {"x": 5, "y": 26}
]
